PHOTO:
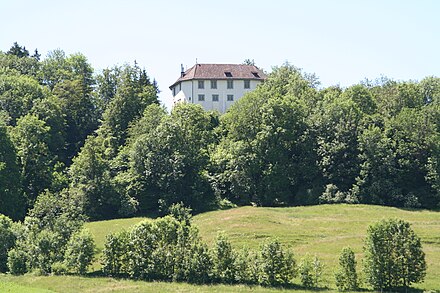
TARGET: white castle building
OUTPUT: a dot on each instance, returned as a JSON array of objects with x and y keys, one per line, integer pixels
[{"x": 216, "y": 86}]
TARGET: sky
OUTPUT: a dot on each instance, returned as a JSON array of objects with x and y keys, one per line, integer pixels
[{"x": 342, "y": 42}]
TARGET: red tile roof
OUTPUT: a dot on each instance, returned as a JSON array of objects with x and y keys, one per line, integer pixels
[{"x": 222, "y": 71}]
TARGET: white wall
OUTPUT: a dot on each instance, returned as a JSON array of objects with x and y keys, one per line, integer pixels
[{"x": 191, "y": 90}]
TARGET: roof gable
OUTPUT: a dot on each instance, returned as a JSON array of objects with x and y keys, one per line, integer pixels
[{"x": 222, "y": 71}]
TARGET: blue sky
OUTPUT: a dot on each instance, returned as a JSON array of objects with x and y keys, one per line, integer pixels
[{"x": 342, "y": 42}]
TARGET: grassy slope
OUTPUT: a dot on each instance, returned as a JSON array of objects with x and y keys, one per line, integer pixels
[{"x": 321, "y": 230}]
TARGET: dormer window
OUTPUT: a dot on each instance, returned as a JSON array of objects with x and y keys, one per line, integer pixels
[
  {"x": 255, "y": 74},
  {"x": 228, "y": 74}
]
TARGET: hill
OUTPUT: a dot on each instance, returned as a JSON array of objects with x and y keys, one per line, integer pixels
[{"x": 322, "y": 230}]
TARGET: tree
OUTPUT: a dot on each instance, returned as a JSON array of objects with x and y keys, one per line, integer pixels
[
  {"x": 377, "y": 180},
  {"x": 18, "y": 93},
  {"x": 134, "y": 92},
  {"x": 335, "y": 126},
  {"x": 18, "y": 51},
  {"x": 393, "y": 255},
  {"x": 264, "y": 144},
  {"x": 91, "y": 181},
  {"x": 346, "y": 276},
  {"x": 12, "y": 200},
  {"x": 31, "y": 138},
  {"x": 168, "y": 164}
]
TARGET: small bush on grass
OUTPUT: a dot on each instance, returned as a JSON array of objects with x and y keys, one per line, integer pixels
[
  {"x": 80, "y": 252},
  {"x": 17, "y": 260},
  {"x": 224, "y": 260},
  {"x": 7, "y": 241},
  {"x": 310, "y": 272},
  {"x": 346, "y": 276},
  {"x": 277, "y": 266},
  {"x": 393, "y": 255}
]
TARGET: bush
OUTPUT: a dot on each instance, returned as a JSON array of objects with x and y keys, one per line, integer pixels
[
  {"x": 277, "y": 266},
  {"x": 310, "y": 271},
  {"x": 224, "y": 260},
  {"x": 200, "y": 268},
  {"x": 393, "y": 255},
  {"x": 59, "y": 268},
  {"x": 115, "y": 254},
  {"x": 346, "y": 276},
  {"x": 17, "y": 262},
  {"x": 246, "y": 267},
  {"x": 80, "y": 252},
  {"x": 7, "y": 241}
]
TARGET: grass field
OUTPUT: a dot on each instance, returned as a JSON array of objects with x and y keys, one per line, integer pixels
[{"x": 318, "y": 230}]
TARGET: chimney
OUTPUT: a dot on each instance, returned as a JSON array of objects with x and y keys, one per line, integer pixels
[{"x": 182, "y": 71}]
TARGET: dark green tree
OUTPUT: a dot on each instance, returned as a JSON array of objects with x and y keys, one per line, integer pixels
[
  {"x": 12, "y": 200},
  {"x": 18, "y": 51}
]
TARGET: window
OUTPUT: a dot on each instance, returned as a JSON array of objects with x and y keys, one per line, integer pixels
[
  {"x": 215, "y": 98},
  {"x": 213, "y": 84},
  {"x": 230, "y": 84},
  {"x": 201, "y": 84},
  {"x": 256, "y": 74},
  {"x": 174, "y": 91},
  {"x": 230, "y": 97},
  {"x": 247, "y": 84},
  {"x": 228, "y": 74},
  {"x": 201, "y": 97}
]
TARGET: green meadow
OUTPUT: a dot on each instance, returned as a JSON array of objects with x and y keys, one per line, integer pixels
[{"x": 316, "y": 230}]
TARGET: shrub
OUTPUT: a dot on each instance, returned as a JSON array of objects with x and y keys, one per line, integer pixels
[
  {"x": 277, "y": 266},
  {"x": 346, "y": 276},
  {"x": 393, "y": 255},
  {"x": 115, "y": 254},
  {"x": 200, "y": 268},
  {"x": 310, "y": 271},
  {"x": 59, "y": 268},
  {"x": 17, "y": 260},
  {"x": 7, "y": 241},
  {"x": 244, "y": 264},
  {"x": 80, "y": 252},
  {"x": 224, "y": 260}
]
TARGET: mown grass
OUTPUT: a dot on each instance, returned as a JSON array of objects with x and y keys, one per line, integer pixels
[
  {"x": 317, "y": 230},
  {"x": 74, "y": 284}
]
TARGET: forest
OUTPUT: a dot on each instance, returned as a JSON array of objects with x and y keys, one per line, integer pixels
[{"x": 103, "y": 143}]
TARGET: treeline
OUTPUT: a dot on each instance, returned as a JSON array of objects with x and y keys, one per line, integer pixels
[{"x": 104, "y": 141}]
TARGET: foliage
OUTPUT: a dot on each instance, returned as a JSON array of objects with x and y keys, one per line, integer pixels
[
  {"x": 115, "y": 254},
  {"x": 393, "y": 255},
  {"x": 105, "y": 137},
  {"x": 310, "y": 272},
  {"x": 80, "y": 252},
  {"x": 278, "y": 266},
  {"x": 12, "y": 200},
  {"x": 45, "y": 234},
  {"x": 17, "y": 260},
  {"x": 346, "y": 276},
  {"x": 31, "y": 138},
  {"x": 7, "y": 240},
  {"x": 224, "y": 259}
]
